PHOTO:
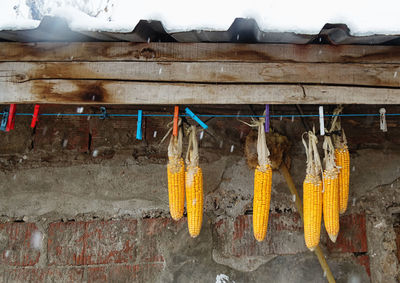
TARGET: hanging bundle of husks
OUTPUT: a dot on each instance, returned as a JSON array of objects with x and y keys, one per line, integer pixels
[
  {"x": 331, "y": 190},
  {"x": 176, "y": 177},
  {"x": 262, "y": 186},
  {"x": 342, "y": 159},
  {"x": 312, "y": 194},
  {"x": 194, "y": 186}
]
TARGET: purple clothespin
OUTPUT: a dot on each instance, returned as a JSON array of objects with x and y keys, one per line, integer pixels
[{"x": 266, "y": 118}]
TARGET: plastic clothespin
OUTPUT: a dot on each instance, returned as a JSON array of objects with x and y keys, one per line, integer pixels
[
  {"x": 35, "y": 116},
  {"x": 139, "y": 125},
  {"x": 4, "y": 120},
  {"x": 11, "y": 118},
  {"x": 104, "y": 114},
  {"x": 197, "y": 119},
  {"x": 382, "y": 119},
  {"x": 176, "y": 117},
  {"x": 266, "y": 118},
  {"x": 321, "y": 121}
]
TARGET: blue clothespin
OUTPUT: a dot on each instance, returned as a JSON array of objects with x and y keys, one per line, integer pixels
[
  {"x": 197, "y": 119},
  {"x": 104, "y": 114},
  {"x": 266, "y": 118},
  {"x": 139, "y": 125},
  {"x": 4, "y": 120}
]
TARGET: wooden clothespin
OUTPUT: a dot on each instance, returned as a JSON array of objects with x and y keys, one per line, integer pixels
[
  {"x": 139, "y": 125},
  {"x": 35, "y": 116}
]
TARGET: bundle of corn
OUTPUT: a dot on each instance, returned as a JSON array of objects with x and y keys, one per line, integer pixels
[
  {"x": 176, "y": 177},
  {"x": 342, "y": 159},
  {"x": 312, "y": 194},
  {"x": 331, "y": 191},
  {"x": 194, "y": 186},
  {"x": 262, "y": 186}
]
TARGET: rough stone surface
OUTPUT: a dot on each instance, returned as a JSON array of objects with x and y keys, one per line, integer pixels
[{"x": 18, "y": 244}]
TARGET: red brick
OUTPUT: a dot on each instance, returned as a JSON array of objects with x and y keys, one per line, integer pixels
[
  {"x": 154, "y": 229},
  {"x": 352, "y": 236},
  {"x": 16, "y": 242},
  {"x": 97, "y": 274},
  {"x": 125, "y": 273},
  {"x": 123, "y": 132},
  {"x": 243, "y": 241},
  {"x": 284, "y": 236},
  {"x": 111, "y": 242},
  {"x": 64, "y": 275},
  {"x": 95, "y": 242},
  {"x": 287, "y": 234},
  {"x": 51, "y": 133},
  {"x": 25, "y": 275},
  {"x": 65, "y": 244},
  {"x": 44, "y": 275},
  {"x": 364, "y": 260}
]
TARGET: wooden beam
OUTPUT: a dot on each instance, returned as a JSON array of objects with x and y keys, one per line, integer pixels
[
  {"x": 208, "y": 52},
  {"x": 198, "y": 73},
  {"x": 208, "y": 72},
  {"x": 117, "y": 92}
]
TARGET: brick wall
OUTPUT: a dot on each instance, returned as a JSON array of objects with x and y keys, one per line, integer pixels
[{"x": 134, "y": 250}]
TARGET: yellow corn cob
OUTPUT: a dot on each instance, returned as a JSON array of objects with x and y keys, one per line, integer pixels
[
  {"x": 343, "y": 161},
  {"x": 261, "y": 201},
  {"x": 331, "y": 203},
  {"x": 176, "y": 187},
  {"x": 312, "y": 210},
  {"x": 194, "y": 200}
]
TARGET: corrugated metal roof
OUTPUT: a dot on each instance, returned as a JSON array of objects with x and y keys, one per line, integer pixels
[{"x": 241, "y": 31}]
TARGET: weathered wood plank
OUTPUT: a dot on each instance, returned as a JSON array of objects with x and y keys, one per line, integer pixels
[
  {"x": 117, "y": 92},
  {"x": 128, "y": 51},
  {"x": 208, "y": 72}
]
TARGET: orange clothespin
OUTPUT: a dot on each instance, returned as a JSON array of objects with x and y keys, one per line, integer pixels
[
  {"x": 11, "y": 118},
  {"x": 176, "y": 117},
  {"x": 35, "y": 116}
]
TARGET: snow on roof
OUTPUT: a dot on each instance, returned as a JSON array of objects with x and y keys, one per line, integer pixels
[{"x": 306, "y": 17}]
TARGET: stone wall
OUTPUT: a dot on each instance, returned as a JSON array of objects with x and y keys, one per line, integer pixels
[{"x": 82, "y": 200}]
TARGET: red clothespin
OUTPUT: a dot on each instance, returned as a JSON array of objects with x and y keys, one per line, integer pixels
[
  {"x": 35, "y": 116},
  {"x": 176, "y": 116},
  {"x": 11, "y": 118}
]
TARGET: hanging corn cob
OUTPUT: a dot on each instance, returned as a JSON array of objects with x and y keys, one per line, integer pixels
[
  {"x": 194, "y": 186},
  {"x": 176, "y": 177},
  {"x": 331, "y": 191},
  {"x": 342, "y": 159},
  {"x": 262, "y": 186},
  {"x": 312, "y": 194}
]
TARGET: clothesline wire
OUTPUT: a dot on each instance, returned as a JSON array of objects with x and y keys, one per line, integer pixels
[{"x": 204, "y": 115}]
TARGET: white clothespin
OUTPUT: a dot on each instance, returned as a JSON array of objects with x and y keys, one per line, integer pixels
[
  {"x": 382, "y": 119},
  {"x": 321, "y": 121}
]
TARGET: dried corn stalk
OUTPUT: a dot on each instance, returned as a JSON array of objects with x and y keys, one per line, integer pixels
[
  {"x": 194, "y": 186},
  {"x": 312, "y": 194}
]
